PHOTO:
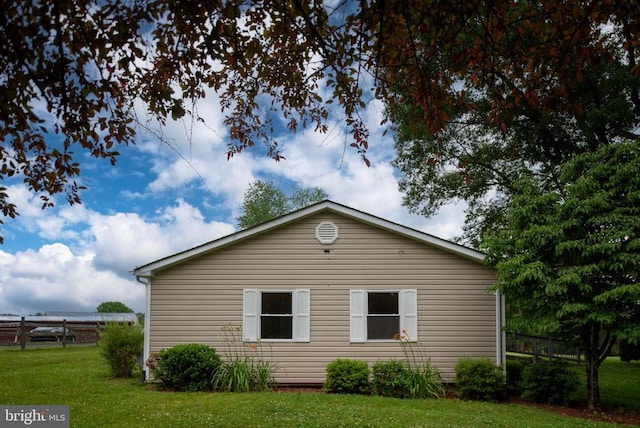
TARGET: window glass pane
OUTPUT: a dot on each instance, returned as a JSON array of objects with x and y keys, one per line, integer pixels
[
  {"x": 383, "y": 303},
  {"x": 276, "y": 303},
  {"x": 278, "y": 327},
  {"x": 382, "y": 328}
]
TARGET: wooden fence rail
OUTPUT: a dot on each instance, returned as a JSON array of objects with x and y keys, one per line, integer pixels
[
  {"x": 542, "y": 347},
  {"x": 22, "y": 332}
]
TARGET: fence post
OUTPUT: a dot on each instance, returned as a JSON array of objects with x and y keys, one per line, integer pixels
[
  {"x": 64, "y": 333},
  {"x": 23, "y": 337}
]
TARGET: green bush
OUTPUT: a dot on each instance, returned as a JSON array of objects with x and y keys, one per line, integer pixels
[
  {"x": 186, "y": 367},
  {"x": 121, "y": 345},
  {"x": 514, "y": 376},
  {"x": 479, "y": 379},
  {"x": 549, "y": 382},
  {"x": 629, "y": 351},
  {"x": 390, "y": 379},
  {"x": 345, "y": 376}
]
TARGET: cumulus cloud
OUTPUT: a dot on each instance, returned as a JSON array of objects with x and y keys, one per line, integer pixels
[
  {"x": 53, "y": 278},
  {"x": 123, "y": 241},
  {"x": 102, "y": 250},
  {"x": 176, "y": 189}
]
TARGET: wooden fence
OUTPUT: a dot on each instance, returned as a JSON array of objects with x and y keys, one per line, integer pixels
[
  {"x": 21, "y": 333},
  {"x": 542, "y": 347}
]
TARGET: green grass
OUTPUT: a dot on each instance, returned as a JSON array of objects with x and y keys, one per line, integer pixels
[
  {"x": 619, "y": 384},
  {"x": 78, "y": 377}
]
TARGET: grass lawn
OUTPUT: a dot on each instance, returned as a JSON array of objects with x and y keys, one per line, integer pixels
[
  {"x": 78, "y": 377},
  {"x": 619, "y": 384}
]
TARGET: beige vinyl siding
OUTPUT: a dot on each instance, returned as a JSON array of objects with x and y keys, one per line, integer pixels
[{"x": 193, "y": 301}]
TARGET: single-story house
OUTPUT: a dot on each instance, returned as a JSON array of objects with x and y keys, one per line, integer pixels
[{"x": 327, "y": 282}]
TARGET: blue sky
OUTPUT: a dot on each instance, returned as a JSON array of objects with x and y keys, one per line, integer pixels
[{"x": 167, "y": 196}]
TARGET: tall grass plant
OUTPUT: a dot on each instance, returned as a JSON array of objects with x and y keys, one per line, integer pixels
[{"x": 245, "y": 366}]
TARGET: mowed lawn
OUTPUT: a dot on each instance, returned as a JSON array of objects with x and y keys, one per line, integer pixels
[{"x": 78, "y": 377}]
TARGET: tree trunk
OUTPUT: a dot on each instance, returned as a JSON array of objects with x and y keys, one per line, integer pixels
[{"x": 593, "y": 385}]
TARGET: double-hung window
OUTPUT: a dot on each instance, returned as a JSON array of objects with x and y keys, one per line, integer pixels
[
  {"x": 378, "y": 315},
  {"x": 276, "y": 315},
  {"x": 383, "y": 315}
]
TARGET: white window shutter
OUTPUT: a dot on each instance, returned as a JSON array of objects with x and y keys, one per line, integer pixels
[
  {"x": 250, "y": 315},
  {"x": 409, "y": 314},
  {"x": 301, "y": 315},
  {"x": 357, "y": 316}
]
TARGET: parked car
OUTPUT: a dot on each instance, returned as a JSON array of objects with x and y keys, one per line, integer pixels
[{"x": 51, "y": 334}]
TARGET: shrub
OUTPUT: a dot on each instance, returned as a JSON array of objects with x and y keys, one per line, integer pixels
[
  {"x": 186, "y": 367},
  {"x": 244, "y": 367},
  {"x": 345, "y": 376},
  {"x": 514, "y": 376},
  {"x": 479, "y": 379},
  {"x": 121, "y": 345},
  {"x": 390, "y": 379},
  {"x": 629, "y": 351},
  {"x": 549, "y": 382}
]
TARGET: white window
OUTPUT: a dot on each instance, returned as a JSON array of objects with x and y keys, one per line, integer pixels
[
  {"x": 276, "y": 315},
  {"x": 383, "y": 315}
]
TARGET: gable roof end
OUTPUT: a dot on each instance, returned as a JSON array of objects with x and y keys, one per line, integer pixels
[{"x": 329, "y": 206}]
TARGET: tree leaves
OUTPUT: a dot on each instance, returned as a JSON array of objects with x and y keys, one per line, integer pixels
[
  {"x": 573, "y": 256},
  {"x": 263, "y": 201},
  {"x": 88, "y": 64}
]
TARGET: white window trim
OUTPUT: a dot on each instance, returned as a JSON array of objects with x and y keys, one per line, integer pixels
[
  {"x": 251, "y": 313},
  {"x": 407, "y": 307}
]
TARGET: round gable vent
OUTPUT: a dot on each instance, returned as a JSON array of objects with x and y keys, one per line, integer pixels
[{"x": 327, "y": 232}]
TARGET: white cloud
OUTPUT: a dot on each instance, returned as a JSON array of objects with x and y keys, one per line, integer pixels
[
  {"x": 192, "y": 195},
  {"x": 125, "y": 240},
  {"x": 53, "y": 278}
]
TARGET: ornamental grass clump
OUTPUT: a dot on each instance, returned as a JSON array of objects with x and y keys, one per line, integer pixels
[
  {"x": 419, "y": 377},
  {"x": 245, "y": 366}
]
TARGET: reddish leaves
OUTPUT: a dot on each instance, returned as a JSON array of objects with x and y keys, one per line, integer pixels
[{"x": 291, "y": 62}]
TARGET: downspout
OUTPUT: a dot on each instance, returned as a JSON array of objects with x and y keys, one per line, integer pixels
[
  {"x": 500, "y": 333},
  {"x": 146, "y": 281}
]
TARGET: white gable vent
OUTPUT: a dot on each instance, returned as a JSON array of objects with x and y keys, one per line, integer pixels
[{"x": 327, "y": 232}]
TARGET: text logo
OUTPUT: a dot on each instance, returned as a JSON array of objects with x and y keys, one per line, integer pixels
[{"x": 34, "y": 416}]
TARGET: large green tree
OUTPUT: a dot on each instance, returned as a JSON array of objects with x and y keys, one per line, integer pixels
[
  {"x": 264, "y": 201},
  {"x": 73, "y": 71},
  {"x": 568, "y": 261},
  {"x": 113, "y": 307},
  {"x": 472, "y": 160}
]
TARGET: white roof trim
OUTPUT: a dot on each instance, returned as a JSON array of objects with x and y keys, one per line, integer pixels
[{"x": 469, "y": 253}]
